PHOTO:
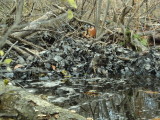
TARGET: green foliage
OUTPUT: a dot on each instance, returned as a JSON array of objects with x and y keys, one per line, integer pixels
[
  {"x": 65, "y": 74},
  {"x": 128, "y": 32},
  {"x": 141, "y": 39},
  {"x": 7, "y": 61},
  {"x": 6, "y": 81},
  {"x": 144, "y": 42},
  {"x": 127, "y": 37},
  {"x": 72, "y": 3},
  {"x": 70, "y": 14},
  {"x": 1, "y": 52},
  {"x": 122, "y": 43}
]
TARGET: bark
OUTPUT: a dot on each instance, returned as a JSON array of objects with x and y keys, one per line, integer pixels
[{"x": 16, "y": 103}]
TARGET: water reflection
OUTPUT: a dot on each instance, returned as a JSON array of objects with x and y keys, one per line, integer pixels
[
  {"x": 103, "y": 99},
  {"x": 131, "y": 104}
]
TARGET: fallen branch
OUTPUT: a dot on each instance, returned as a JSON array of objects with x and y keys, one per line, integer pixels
[
  {"x": 47, "y": 20},
  {"x": 26, "y": 42},
  {"x": 8, "y": 51},
  {"x": 26, "y": 106},
  {"x": 18, "y": 49}
]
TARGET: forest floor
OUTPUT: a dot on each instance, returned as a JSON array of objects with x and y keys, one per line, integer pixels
[{"x": 114, "y": 76}]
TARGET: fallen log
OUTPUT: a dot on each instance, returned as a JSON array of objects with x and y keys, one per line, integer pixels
[{"x": 18, "y": 104}]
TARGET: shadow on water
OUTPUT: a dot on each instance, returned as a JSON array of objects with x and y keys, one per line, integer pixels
[
  {"x": 103, "y": 98},
  {"x": 131, "y": 104}
]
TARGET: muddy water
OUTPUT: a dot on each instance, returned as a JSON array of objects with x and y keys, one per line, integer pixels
[{"x": 102, "y": 98}]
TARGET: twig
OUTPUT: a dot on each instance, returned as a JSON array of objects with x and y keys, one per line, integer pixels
[
  {"x": 8, "y": 51},
  {"x": 134, "y": 13},
  {"x": 92, "y": 9},
  {"x": 26, "y": 42},
  {"x": 93, "y": 114},
  {"x": 60, "y": 8},
  {"x": 18, "y": 49},
  {"x": 63, "y": 10},
  {"x": 82, "y": 21}
]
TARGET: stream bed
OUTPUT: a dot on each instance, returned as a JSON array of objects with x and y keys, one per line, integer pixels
[
  {"x": 131, "y": 98},
  {"x": 103, "y": 82}
]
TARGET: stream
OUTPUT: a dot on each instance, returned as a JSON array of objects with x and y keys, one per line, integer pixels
[{"x": 131, "y": 98}]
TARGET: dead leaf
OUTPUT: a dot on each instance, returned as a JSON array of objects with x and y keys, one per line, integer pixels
[
  {"x": 73, "y": 111},
  {"x": 18, "y": 66},
  {"x": 85, "y": 34},
  {"x": 53, "y": 67},
  {"x": 56, "y": 116},
  {"x": 92, "y": 93},
  {"x": 92, "y": 32}
]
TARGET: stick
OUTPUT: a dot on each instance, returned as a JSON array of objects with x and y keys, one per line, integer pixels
[{"x": 8, "y": 51}]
